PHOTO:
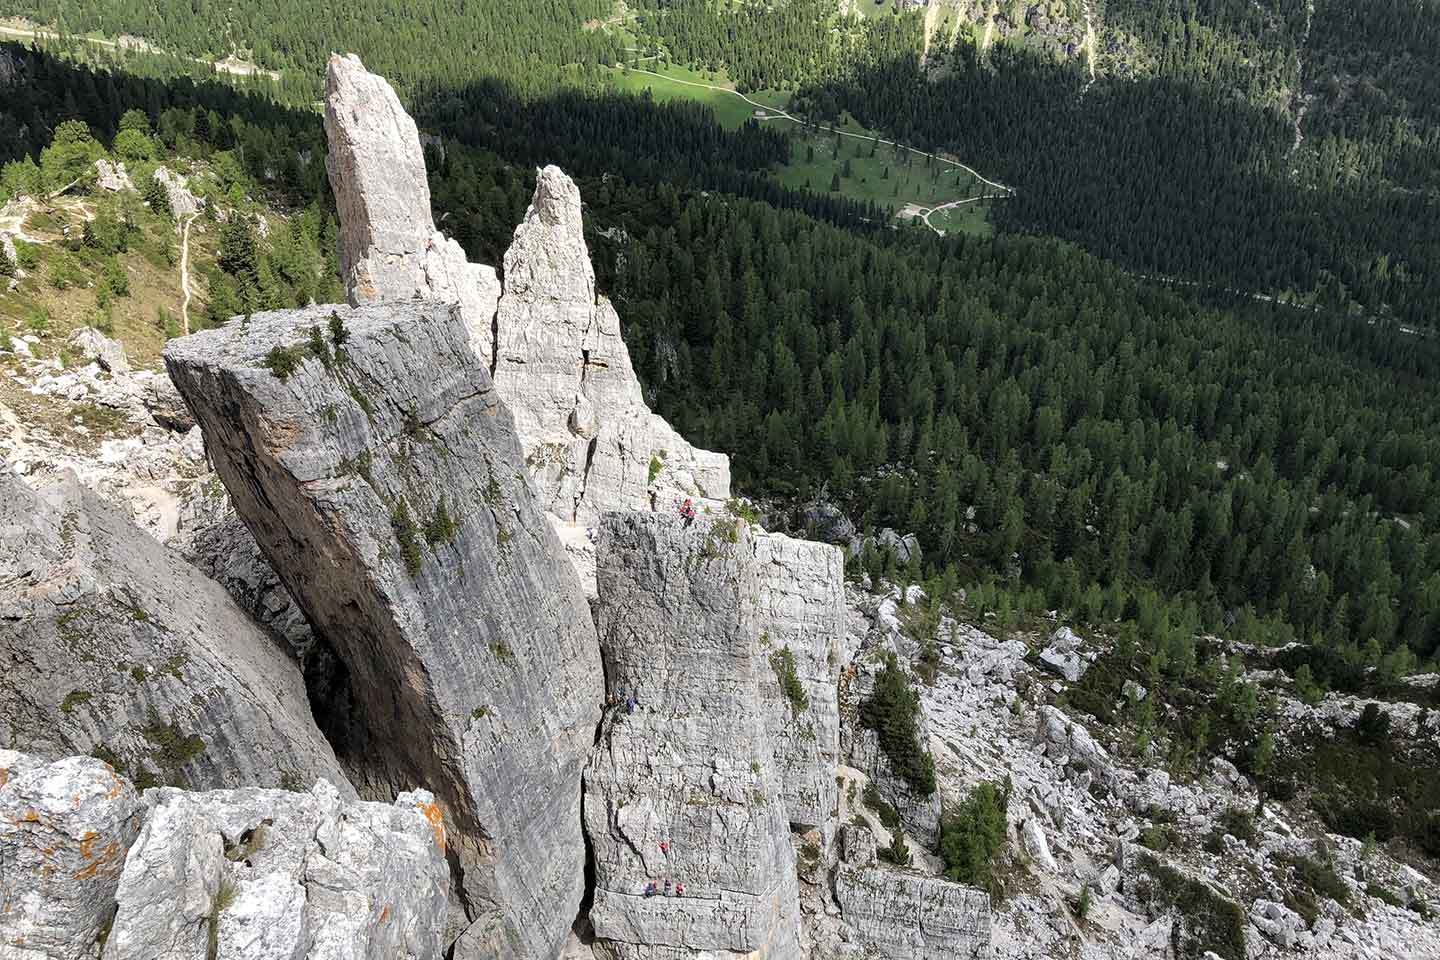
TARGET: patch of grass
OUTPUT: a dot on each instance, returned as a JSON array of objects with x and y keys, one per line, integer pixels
[
  {"x": 1159, "y": 837},
  {"x": 1320, "y": 878},
  {"x": 408, "y": 537},
  {"x": 887, "y": 814},
  {"x": 171, "y": 748},
  {"x": 74, "y": 699},
  {"x": 480, "y": 713},
  {"x": 224, "y": 900},
  {"x": 502, "y": 651},
  {"x": 782, "y": 661},
  {"x": 1384, "y": 894},
  {"x": 98, "y": 419},
  {"x": 441, "y": 528},
  {"x": 656, "y": 465}
]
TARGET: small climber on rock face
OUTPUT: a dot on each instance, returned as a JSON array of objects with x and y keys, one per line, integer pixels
[
  {"x": 679, "y": 889},
  {"x": 687, "y": 511}
]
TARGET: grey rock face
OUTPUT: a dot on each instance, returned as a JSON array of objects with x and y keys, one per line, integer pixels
[
  {"x": 274, "y": 874},
  {"x": 903, "y": 916},
  {"x": 685, "y": 789},
  {"x": 183, "y": 203},
  {"x": 114, "y": 645},
  {"x": 387, "y": 490},
  {"x": 800, "y": 607},
  {"x": 94, "y": 345},
  {"x": 112, "y": 176},
  {"x": 389, "y": 247},
  {"x": 857, "y": 845},
  {"x": 64, "y": 830},
  {"x": 590, "y": 441}
]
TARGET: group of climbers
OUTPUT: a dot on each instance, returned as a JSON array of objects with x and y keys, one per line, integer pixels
[
  {"x": 624, "y": 697},
  {"x": 652, "y": 889}
]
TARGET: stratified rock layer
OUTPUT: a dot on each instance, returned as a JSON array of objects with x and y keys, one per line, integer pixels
[
  {"x": 389, "y": 247},
  {"x": 114, "y": 645},
  {"x": 64, "y": 830},
  {"x": 590, "y": 441},
  {"x": 383, "y": 481},
  {"x": 274, "y": 875},
  {"x": 684, "y": 789},
  {"x": 902, "y": 916},
  {"x": 800, "y": 607}
]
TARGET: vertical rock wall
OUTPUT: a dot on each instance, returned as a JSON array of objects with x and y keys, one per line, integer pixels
[
  {"x": 369, "y": 455},
  {"x": 800, "y": 607},
  {"x": 684, "y": 789}
]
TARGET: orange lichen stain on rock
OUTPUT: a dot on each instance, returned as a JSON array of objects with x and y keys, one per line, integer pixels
[
  {"x": 87, "y": 844},
  {"x": 105, "y": 859},
  {"x": 117, "y": 787},
  {"x": 433, "y": 813},
  {"x": 4, "y": 776},
  {"x": 385, "y": 913}
]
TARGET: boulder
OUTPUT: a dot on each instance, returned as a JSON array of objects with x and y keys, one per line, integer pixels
[
  {"x": 273, "y": 874},
  {"x": 115, "y": 646},
  {"x": 112, "y": 176},
  {"x": 1067, "y": 742},
  {"x": 1063, "y": 655},
  {"x": 857, "y": 845},
  {"x": 95, "y": 346},
  {"x": 1032, "y": 834},
  {"x": 800, "y": 613},
  {"x": 903, "y": 916},
  {"x": 591, "y": 443},
  {"x": 64, "y": 830},
  {"x": 382, "y": 480},
  {"x": 1281, "y": 925},
  {"x": 388, "y": 245},
  {"x": 685, "y": 787},
  {"x": 826, "y": 521}
]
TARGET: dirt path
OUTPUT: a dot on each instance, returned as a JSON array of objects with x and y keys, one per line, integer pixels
[
  {"x": 185, "y": 275},
  {"x": 22, "y": 30},
  {"x": 775, "y": 113}
]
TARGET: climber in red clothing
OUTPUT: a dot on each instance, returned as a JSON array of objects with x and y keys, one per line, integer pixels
[{"x": 687, "y": 511}]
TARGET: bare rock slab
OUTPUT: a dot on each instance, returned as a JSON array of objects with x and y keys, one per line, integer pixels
[
  {"x": 368, "y": 453},
  {"x": 113, "y": 645},
  {"x": 684, "y": 792},
  {"x": 904, "y": 916}
]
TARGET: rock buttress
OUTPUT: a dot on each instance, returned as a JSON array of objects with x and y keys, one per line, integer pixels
[
  {"x": 684, "y": 789},
  {"x": 115, "y": 646},
  {"x": 800, "y": 607},
  {"x": 369, "y": 455}
]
